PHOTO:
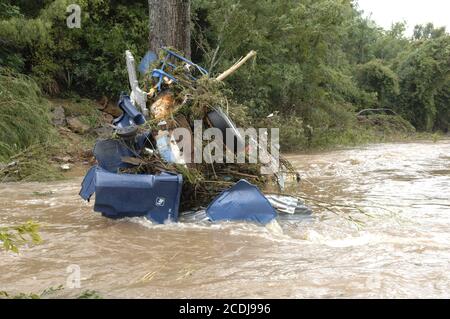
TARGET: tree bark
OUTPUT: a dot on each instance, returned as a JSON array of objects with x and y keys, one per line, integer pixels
[{"x": 170, "y": 25}]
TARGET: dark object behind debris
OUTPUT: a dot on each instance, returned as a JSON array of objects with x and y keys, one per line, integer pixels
[{"x": 231, "y": 136}]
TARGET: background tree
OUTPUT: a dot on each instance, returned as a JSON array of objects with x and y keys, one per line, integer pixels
[
  {"x": 424, "y": 74},
  {"x": 428, "y": 31},
  {"x": 376, "y": 77},
  {"x": 170, "y": 25}
]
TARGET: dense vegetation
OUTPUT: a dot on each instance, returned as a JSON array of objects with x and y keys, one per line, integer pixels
[
  {"x": 319, "y": 61},
  {"x": 35, "y": 40},
  {"x": 24, "y": 115},
  {"x": 322, "y": 60}
]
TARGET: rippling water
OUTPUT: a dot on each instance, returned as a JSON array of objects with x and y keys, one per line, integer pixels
[{"x": 401, "y": 250}]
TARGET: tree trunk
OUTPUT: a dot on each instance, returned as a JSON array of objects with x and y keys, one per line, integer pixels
[{"x": 170, "y": 25}]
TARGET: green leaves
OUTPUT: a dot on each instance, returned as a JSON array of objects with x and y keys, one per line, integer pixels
[
  {"x": 424, "y": 73},
  {"x": 301, "y": 64},
  {"x": 8, "y": 10},
  {"x": 50, "y": 292},
  {"x": 89, "y": 60},
  {"x": 13, "y": 237},
  {"x": 376, "y": 77}
]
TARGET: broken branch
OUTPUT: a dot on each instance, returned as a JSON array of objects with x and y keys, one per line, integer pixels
[{"x": 236, "y": 66}]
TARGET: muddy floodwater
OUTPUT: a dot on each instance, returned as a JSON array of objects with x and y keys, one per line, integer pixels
[{"x": 402, "y": 249}]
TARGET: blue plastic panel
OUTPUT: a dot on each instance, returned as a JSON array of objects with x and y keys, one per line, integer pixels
[
  {"x": 242, "y": 202},
  {"x": 88, "y": 184},
  {"x": 109, "y": 154}
]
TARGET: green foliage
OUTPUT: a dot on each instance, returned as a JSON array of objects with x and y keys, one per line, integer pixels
[
  {"x": 441, "y": 101},
  {"x": 32, "y": 164},
  {"x": 301, "y": 68},
  {"x": 50, "y": 293},
  {"x": 387, "y": 124},
  {"x": 376, "y": 77},
  {"x": 27, "y": 137},
  {"x": 320, "y": 60},
  {"x": 391, "y": 43},
  {"x": 89, "y": 294},
  {"x": 89, "y": 60},
  {"x": 428, "y": 31},
  {"x": 8, "y": 10},
  {"x": 293, "y": 134},
  {"x": 362, "y": 35},
  {"x": 424, "y": 74},
  {"x": 24, "y": 114},
  {"x": 44, "y": 294},
  {"x": 13, "y": 237}
]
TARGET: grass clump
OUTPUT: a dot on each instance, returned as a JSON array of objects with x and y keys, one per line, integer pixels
[
  {"x": 27, "y": 136},
  {"x": 32, "y": 164},
  {"x": 24, "y": 114}
]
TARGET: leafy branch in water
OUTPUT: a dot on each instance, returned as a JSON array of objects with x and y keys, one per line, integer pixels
[
  {"x": 89, "y": 294},
  {"x": 13, "y": 237},
  {"x": 44, "y": 293},
  {"x": 50, "y": 292}
]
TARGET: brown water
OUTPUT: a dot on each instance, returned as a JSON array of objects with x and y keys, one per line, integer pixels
[{"x": 403, "y": 252}]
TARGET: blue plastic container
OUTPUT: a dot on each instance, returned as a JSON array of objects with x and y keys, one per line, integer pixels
[{"x": 156, "y": 197}]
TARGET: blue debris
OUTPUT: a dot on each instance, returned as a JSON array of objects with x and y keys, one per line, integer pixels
[
  {"x": 242, "y": 202},
  {"x": 109, "y": 154},
  {"x": 88, "y": 184},
  {"x": 167, "y": 66},
  {"x": 146, "y": 61},
  {"x": 126, "y": 195},
  {"x": 131, "y": 116}
]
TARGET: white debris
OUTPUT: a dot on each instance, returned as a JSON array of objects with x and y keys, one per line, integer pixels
[{"x": 65, "y": 167}]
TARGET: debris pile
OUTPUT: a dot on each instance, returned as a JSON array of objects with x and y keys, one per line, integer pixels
[
  {"x": 180, "y": 93},
  {"x": 149, "y": 168}
]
